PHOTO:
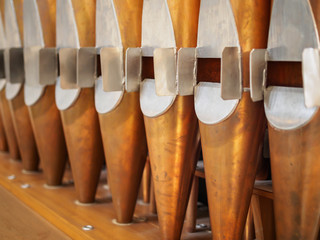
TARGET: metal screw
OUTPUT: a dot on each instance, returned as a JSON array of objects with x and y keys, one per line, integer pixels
[
  {"x": 87, "y": 228},
  {"x": 24, "y": 186},
  {"x": 11, "y": 177},
  {"x": 201, "y": 226}
]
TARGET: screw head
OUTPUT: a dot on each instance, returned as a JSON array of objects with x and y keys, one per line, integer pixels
[
  {"x": 87, "y": 228},
  {"x": 25, "y": 185},
  {"x": 201, "y": 226},
  {"x": 11, "y": 177}
]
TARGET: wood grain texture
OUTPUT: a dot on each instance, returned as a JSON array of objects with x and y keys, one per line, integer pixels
[
  {"x": 17, "y": 221},
  {"x": 57, "y": 207}
]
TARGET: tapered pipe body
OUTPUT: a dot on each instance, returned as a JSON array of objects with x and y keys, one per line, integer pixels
[
  {"x": 230, "y": 147},
  {"x": 294, "y": 154},
  {"x": 82, "y": 133},
  {"x": 173, "y": 140},
  {"x": 44, "y": 114},
  {"x": 295, "y": 167},
  {"x": 19, "y": 111},
  {"x": 3, "y": 138},
  {"x": 47, "y": 127},
  {"x": 146, "y": 183},
  {"x": 8, "y": 127},
  {"x": 122, "y": 128},
  {"x": 230, "y": 159},
  {"x": 23, "y": 128},
  {"x": 125, "y": 147},
  {"x": 80, "y": 120},
  {"x": 12, "y": 145},
  {"x": 173, "y": 136}
]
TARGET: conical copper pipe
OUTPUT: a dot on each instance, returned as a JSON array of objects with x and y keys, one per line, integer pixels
[
  {"x": 3, "y": 139},
  {"x": 122, "y": 129},
  {"x": 146, "y": 182},
  {"x": 173, "y": 141},
  {"x": 230, "y": 159},
  {"x": 173, "y": 137},
  {"x": 8, "y": 127},
  {"x": 295, "y": 169},
  {"x": 5, "y": 112},
  {"x": 48, "y": 132},
  {"x": 22, "y": 124},
  {"x": 45, "y": 116},
  {"x": 20, "y": 115},
  {"x": 82, "y": 133},
  {"x": 248, "y": 233},
  {"x": 230, "y": 148},
  {"x": 295, "y": 162},
  {"x": 80, "y": 121},
  {"x": 126, "y": 151}
]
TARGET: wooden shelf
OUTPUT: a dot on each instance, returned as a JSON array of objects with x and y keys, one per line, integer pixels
[{"x": 58, "y": 207}]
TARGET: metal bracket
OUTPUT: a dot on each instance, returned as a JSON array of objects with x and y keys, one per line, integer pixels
[
  {"x": 48, "y": 70},
  {"x": 287, "y": 40},
  {"x": 78, "y": 67},
  {"x": 311, "y": 76},
  {"x": 68, "y": 68},
  {"x": 112, "y": 68},
  {"x": 258, "y": 70},
  {"x": 186, "y": 71},
  {"x": 175, "y": 73},
  {"x": 86, "y": 67},
  {"x": 14, "y": 65},
  {"x": 165, "y": 71},
  {"x": 31, "y": 64},
  {"x": 40, "y": 66},
  {"x": 133, "y": 69},
  {"x": 231, "y": 73}
]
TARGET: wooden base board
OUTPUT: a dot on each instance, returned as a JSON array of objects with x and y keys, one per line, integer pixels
[{"x": 58, "y": 207}]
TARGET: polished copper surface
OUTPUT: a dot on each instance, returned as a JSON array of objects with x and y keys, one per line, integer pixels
[
  {"x": 126, "y": 151},
  {"x": 84, "y": 13},
  {"x": 173, "y": 137},
  {"x": 82, "y": 133},
  {"x": 295, "y": 164},
  {"x": 230, "y": 148},
  {"x": 295, "y": 169},
  {"x": 48, "y": 132},
  {"x": 80, "y": 121},
  {"x": 252, "y": 20},
  {"x": 24, "y": 133},
  {"x": 173, "y": 141},
  {"x": 20, "y": 115},
  {"x": 230, "y": 152},
  {"x": 12, "y": 145},
  {"x": 191, "y": 213},
  {"x": 44, "y": 114},
  {"x": 47, "y": 12},
  {"x": 122, "y": 129},
  {"x": 248, "y": 233},
  {"x": 3, "y": 139},
  {"x": 8, "y": 126},
  {"x": 146, "y": 182}
]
